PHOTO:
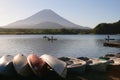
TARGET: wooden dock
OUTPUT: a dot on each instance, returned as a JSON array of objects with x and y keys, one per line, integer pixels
[{"x": 112, "y": 44}]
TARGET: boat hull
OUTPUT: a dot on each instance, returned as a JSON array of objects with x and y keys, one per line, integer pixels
[
  {"x": 21, "y": 65},
  {"x": 101, "y": 67},
  {"x": 6, "y": 66},
  {"x": 74, "y": 65},
  {"x": 77, "y": 69},
  {"x": 38, "y": 66},
  {"x": 8, "y": 70},
  {"x": 56, "y": 65},
  {"x": 98, "y": 65}
]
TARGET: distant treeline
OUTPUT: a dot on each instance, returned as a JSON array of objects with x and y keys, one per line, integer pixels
[
  {"x": 103, "y": 28},
  {"x": 107, "y": 28},
  {"x": 45, "y": 31}
]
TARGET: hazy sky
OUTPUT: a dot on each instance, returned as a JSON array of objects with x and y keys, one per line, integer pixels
[{"x": 83, "y": 12}]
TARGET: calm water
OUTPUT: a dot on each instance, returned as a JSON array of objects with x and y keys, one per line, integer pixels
[{"x": 65, "y": 45}]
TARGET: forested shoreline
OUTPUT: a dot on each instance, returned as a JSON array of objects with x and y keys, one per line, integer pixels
[
  {"x": 45, "y": 31},
  {"x": 102, "y": 28}
]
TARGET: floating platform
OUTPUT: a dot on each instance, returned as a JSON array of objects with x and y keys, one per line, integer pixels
[{"x": 112, "y": 44}]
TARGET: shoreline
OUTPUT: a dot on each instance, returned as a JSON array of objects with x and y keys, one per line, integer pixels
[
  {"x": 111, "y": 73},
  {"x": 88, "y": 75}
]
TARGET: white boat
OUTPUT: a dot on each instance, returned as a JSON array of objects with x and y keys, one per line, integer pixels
[
  {"x": 115, "y": 65},
  {"x": 55, "y": 64},
  {"x": 6, "y": 66},
  {"x": 116, "y": 61},
  {"x": 98, "y": 65},
  {"x": 74, "y": 65},
  {"x": 21, "y": 65}
]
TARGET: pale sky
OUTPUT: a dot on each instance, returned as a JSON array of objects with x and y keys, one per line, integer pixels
[{"x": 86, "y": 13}]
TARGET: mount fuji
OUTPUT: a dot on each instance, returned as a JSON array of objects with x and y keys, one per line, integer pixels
[{"x": 45, "y": 19}]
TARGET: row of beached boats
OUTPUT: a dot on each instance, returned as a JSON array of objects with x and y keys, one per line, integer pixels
[
  {"x": 41, "y": 66},
  {"x": 31, "y": 65},
  {"x": 83, "y": 64}
]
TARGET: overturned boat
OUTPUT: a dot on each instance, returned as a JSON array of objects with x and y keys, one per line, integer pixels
[
  {"x": 21, "y": 65},
  {"x": 38, "y": 66},
  {"x": 74, "y": 65},
  {"x": 6, "y": 66},
  {"x": 56, "y": 65}
]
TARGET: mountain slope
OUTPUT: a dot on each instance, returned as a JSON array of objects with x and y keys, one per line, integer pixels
[
  {"x": 49, "y": 25},
  {"x": 45, "y": 16}
]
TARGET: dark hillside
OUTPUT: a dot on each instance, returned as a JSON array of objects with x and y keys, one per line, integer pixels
[{"x": 107, "y": 28}]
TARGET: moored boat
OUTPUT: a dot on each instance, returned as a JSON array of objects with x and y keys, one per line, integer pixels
[
  {"x": 115, "y": 65},
  {"x": 98, "y": 65},
  {"x": 116, "y": 61},
  {"x": 21, "y": 65},
  {"x": 55, "y": 64},
  {"x": 74, "y": 65},
  {"x": 6, "y": 66}
]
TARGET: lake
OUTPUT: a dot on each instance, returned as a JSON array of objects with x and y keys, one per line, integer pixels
[{"x": 65, "y": 45}]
